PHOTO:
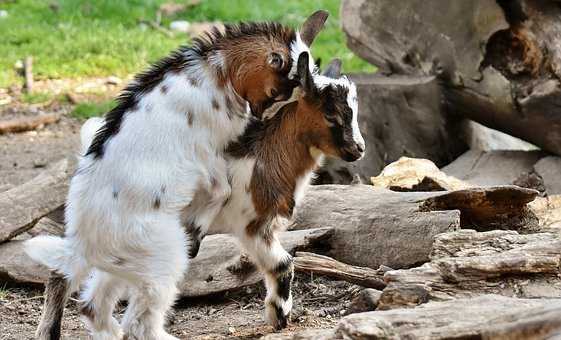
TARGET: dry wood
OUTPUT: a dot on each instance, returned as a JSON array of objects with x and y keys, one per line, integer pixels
[
  {"x": 485, "y": 317},
  {"x": 28, "y": 74},
  {"x": 22, "y": 206},
  {"x": 28, "y": 123},
  {"x": 374, "y": 226},
  {"x": 324, "y": 265},
  {"x": 467, "y": 263}
]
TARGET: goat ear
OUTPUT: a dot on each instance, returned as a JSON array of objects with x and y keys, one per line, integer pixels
[
  {"x": 312, "y": 26},
  {"x": 306, "y": 80},
  {"x": 333, "y": 70},
  {"x": 275, "y": 61}
]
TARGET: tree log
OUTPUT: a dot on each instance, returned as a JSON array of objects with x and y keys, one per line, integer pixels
[
  {"x": 498, "y": 62},
  {"x": 28, "y": 123},
  {"x": 467, "y": 263},
  {"x": 324, "y": 265},
  {"x": 485, "y": 317},
  {"x": 22, "y": 206},
  {"x": 374, "y": 226}
]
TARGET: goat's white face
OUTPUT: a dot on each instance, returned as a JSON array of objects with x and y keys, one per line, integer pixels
[
  {"x": 332, "y": 98},
  {"x": 340, "y": 108}
]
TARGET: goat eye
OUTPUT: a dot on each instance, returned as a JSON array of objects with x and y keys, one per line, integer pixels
[{"x": 274, "y": 93}]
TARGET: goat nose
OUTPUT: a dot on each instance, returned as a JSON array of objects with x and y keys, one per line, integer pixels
[{"x": 361, "y": 147}]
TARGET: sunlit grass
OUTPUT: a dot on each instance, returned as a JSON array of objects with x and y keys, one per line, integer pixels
[
  {"x": 92, "y": 109},
  {"x": 74, "y": 38}
]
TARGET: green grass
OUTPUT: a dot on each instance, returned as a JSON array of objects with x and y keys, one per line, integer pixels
[
  {"x": 36, "y": 97},
  {"x": 3, "y": 293},
  {"x": 92, "y": 109},
  {"x": 76, "y": 38}
]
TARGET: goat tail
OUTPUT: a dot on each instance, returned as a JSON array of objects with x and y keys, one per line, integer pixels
[{"x": 88, "y": 131}]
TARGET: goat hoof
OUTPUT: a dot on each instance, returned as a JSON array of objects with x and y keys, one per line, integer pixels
[{"x": 277, "y": 318}]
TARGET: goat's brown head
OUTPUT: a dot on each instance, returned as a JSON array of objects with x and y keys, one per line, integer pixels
[
  {"x": 328, "y": 111},
  {"x": 260, "y": 59}
]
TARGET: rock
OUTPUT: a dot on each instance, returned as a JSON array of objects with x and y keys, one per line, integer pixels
[
  {"x": 415, "y": 174},
  {"x": 480, "y": 137},
  {"x": 3, "y": 14},
  {"x": 399, "y": 116},
  {"x": 365, "y": 301},
  {"x": 180, "y": 26},
  {"x": 549, "y": 169},
  {"x": 485, "y": 317},
  {"x": 490, "y": 168}
]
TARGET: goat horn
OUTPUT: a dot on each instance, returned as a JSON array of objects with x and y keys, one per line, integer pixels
[{"x": 312, "y": 26}]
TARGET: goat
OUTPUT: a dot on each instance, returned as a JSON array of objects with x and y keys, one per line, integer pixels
[
  {"x": 271, "y": 164},
  {"x": 161, "y": 144}
]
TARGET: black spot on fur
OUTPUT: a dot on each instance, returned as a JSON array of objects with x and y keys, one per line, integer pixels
[
  {"x": 115, "y": 193},
  {"x": 157, "y": 202},
  {"x": 189, "y": 118},
  {"x": 215, "y": 104},
  {"x": 164, "y": 89}
]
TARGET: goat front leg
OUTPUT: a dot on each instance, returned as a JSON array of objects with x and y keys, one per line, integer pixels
[{"x": 276, "y": 264}]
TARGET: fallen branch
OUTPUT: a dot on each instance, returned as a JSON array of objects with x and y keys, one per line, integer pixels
[
  {"x": 28, "y": 123},
  {"x": 28, "y": 74},
  {"x": 324, "y": 265},
  {"x": 21, "y": 207}
]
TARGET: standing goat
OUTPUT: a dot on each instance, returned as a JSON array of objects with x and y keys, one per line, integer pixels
[
  {"x": 128, "y": 203},
  {"x": 271, "y": 164}
]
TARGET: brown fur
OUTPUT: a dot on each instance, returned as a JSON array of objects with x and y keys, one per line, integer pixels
[{"x": 282, "y": 161}]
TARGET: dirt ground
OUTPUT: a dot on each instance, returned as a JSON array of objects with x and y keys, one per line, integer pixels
[{"x": 318, "y": 302}]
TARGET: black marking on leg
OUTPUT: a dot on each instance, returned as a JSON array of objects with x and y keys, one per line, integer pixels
[
  {"x": 115, "y": 193},
  {"x": 283, "y": 266},
  {"x": 284, "y": 283},
  {"x": 282, "y": 320}
]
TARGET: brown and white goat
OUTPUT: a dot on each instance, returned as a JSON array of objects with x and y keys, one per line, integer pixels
[
  {"x": 271, "y": 163},
  {"x": 161, "y": 144}
]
